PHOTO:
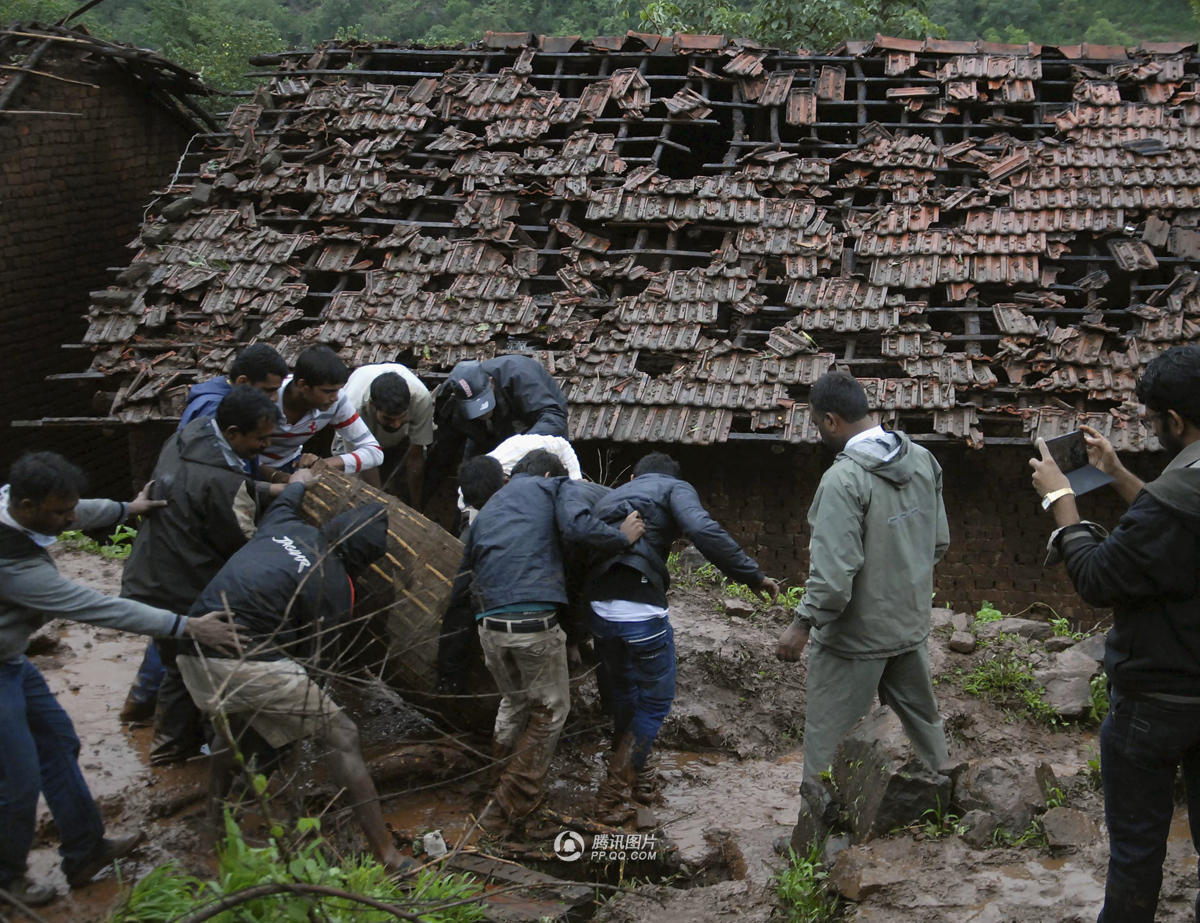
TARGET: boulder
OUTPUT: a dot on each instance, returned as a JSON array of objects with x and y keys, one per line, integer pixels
[
  {"x": 961, "y": 621},
  {"x": 881, "y": 782},
  {"x": 691, "y": 560},
  {"x": 940, "y": 618},
  {"x": 1093, "y": 646},
  {"x": 1058, "y": 643},
  {"x": 861, "y": 871},
  {"x": 1067, "y": 681},
  {"x": 1025, "y": 628},
  {"x": 736, "y": 607},
  {"x": 1010, "y": 788},
  {"x": 980, "y": 828},
  {"x": 1068, "y": 827},
  {"x": 962, "y": 642}
]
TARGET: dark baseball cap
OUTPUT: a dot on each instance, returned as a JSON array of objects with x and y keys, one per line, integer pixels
[{"x": 473, "y": 388}]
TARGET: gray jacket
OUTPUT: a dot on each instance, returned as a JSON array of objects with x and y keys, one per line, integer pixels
[
  {"x": 33, "y": 592},
  {"x": 878, "y": 527}
]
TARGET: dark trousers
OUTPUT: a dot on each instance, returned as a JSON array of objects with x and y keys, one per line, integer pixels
[
  {"x": 1142, "y": 743},
  {"x": 149, "y": 676},
  {"x": 39, "y": 753},
  {"x": 636, "y": 673}
]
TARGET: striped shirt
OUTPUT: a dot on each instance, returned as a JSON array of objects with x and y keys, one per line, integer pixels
[{"x": 287, "y": 442}]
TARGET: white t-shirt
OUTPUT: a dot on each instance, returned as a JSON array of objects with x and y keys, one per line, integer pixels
[
  {"x": 418, "y": 430},
  {"x": 362, "y": 451},
  {"x": 514, "y": 448}
]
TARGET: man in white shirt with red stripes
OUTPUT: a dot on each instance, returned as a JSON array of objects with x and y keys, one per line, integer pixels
[{"x": 310, "y": 400}]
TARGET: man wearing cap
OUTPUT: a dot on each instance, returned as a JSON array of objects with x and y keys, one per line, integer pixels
[{"x": 483, "y": 403}]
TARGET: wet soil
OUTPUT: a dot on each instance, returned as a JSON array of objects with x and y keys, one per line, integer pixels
[{"x": 730, "y": 769}]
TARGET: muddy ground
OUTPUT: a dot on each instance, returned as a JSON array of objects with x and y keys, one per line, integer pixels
[{"x": 730, "y": 765}]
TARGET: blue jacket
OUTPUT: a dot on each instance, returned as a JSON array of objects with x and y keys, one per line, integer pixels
[
  {"x": 670, "y": 508},
  {"x": 203, "y": 400},
  {"x": 513, "y": 550},
  {"x": 1148, "y": 570}
]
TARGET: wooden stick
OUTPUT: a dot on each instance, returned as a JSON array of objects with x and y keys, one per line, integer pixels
[
  {"x": 70, "y": 115},
  {"x": 382, "y": 573},
  {"x": 25, "y": 70}
]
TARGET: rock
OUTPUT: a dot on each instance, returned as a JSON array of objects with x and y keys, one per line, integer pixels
[
  {"x": 940, "y": 618},
  {"x": 818, "y": 812},
  {"x": 1093, "y": 646},
  {"x": 43, "y": 641},
  {"x": 178, "y": 210},
  {"x": 738, "y": 608},
  {"x": 647, "y": 819},
  {"x": 201, "y": 192},
  {"x": 1004, "y": 786},
  {"x": 1058, "y": 643},
  {"x": 962, "y": 642},
  {"x": 1025, "y": 628},
  {"x": 881, "y": 782},
  {"x": 1069, "y": 827},
  {"x": 270, "y": 163},
  {"x": 859, "y": 872},
  {"x": 962, "y": 621},
  {"x": 1067, "y": 681},
  {"x": 691, "y": 560},
  {"x": 981, "y": 826},
  {"x": 156, "y": 234},
  {"x": 226, "y": 181}
]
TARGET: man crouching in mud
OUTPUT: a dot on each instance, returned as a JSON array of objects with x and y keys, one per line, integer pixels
[
  {"x": 1148, "y": 571},
  {"x": 291, "y": 590}
]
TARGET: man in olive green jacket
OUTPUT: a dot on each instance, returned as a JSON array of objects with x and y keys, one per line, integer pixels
[{"x": 878, "y": 527}]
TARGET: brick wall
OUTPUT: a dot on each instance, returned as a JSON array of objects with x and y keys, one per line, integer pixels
[
  {"x": 998, "y": 531},
  {"x": 73, "y": 193}
]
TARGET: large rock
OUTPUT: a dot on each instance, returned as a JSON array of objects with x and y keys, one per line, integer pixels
[
  {"x": 1068, "y": 827},
  {"x": 881, "y": 782},
  {"x": 861, "y": 871},
  {"x": 1011, "y": 789},
  {"x": 1093, "y": 646},
  {"x": 1067, "y": 681},
  {"x": 1024, "y": 628}
]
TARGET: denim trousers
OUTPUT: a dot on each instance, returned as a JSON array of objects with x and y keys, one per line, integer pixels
[
  {"x": 149, "y": 676},
  {"x": 1142, "y": 743},
  {"x": 636, "y": 673},
  {"x": 39, "y": 753}
]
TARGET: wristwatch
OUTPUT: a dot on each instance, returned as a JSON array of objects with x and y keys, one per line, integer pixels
[{"x": 1050, "y": 498}]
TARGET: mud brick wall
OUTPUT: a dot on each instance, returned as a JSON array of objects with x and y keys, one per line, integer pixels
[
  {"x": 998, "y": 531},
  {"x": 73, "y": 192}
]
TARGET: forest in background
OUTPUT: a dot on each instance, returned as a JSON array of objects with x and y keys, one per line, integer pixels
[{"x": 216, "y": 37}]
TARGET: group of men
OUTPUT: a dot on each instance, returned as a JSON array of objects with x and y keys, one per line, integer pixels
[{"x": 245, "y": 599}]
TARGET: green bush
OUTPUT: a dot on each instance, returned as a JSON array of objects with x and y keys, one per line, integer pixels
[
  {"x": 168, "y": 893},
  {"x": 804, "y": 895}
]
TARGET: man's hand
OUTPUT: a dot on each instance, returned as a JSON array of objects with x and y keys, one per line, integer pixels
[
  {"x": 1101, "y": 453},
  {"x": 791, "y": 643},
  {"x": 307, "y": 460},
  {"x": 769, "y": 589},
  {"x": 632, "y": 527},
  {"x": 142, "y": 504},
  {"x": 216, "y": 630},
  {"x": 303, "y": 476},
  {"x": 1047, "y": 476},
  {"x": 321, "y": 465}
]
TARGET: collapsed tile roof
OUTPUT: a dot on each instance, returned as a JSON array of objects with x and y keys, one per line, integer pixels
[
  {"x": 688, "y": 231},
  {"x": 29, "y": 52}
]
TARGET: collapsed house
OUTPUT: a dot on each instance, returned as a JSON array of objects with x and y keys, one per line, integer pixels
[
  {"x": 687, "y": 232},
  {"x": 88, "y": 129}
]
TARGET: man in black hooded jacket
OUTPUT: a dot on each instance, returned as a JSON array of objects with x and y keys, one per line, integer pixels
[
  {"x": 1148, "y": 570},
  {"x": 291, "y": 591},
  {"x": 210, "y": 512},
  {"x": 635, "y": 643}
]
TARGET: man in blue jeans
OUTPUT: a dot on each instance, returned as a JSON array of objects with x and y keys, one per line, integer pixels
[
  {"x": 1148, "y": 571},
  {"x": 635, "y": 644},
  {"x": 39, "y": 752}
]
